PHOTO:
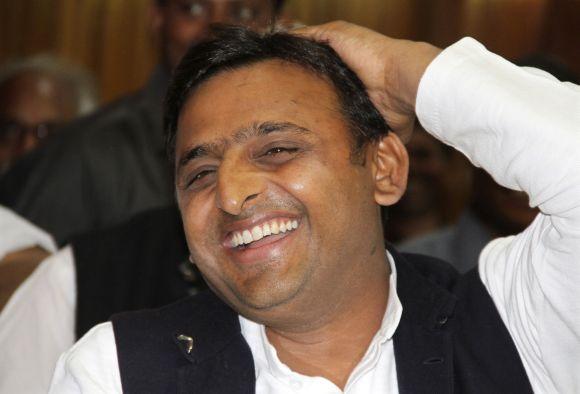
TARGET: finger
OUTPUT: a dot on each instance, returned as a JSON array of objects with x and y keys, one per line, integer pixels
[
  {"x": 325, "y": 32},
  {"x": 312, "y": 32},
  {"x": 288, "y": 25}
]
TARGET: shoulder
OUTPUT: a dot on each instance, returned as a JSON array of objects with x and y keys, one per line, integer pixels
[
  {"x": 79, "y": 139},
  {"x": 150, "y": 338},
  {"x": 92, "y": 132},
  {"x": 90, "y": 365},
  {"x": 18, "y": 233},
  {"x": 120, "y": 124},
  {"x": 195, "y": 310},
  {"x": 443, "y": 275},
  {"x": 436, "y": 271},
  {"x": 97, "y": 345},
  {"x": 155, "y": 331}
]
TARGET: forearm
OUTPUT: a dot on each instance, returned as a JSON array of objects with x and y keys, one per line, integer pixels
[{"x": 520, "y": 127}]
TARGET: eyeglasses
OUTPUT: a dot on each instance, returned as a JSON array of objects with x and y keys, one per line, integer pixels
[
  {"x": 13, "y": 134},
  {"x": 237, "y": 11}
]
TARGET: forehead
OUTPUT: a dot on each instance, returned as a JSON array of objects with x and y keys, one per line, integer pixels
[
  {"x": 267, "y": 91},
  {"x": 31, "y": 97}
]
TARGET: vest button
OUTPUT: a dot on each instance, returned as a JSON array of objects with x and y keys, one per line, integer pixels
[
  {"x": 442, "y": 320},
  {"x": 187, "y": 342}
]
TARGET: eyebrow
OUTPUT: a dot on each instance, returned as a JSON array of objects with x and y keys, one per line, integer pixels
[{"x": 255, "y": 130}]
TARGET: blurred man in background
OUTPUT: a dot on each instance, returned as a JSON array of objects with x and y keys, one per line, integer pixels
[
  {"x": 494, "y": 211},
  {"x": 111, "y": 165},
  {"x": 37, "y": 95},
  {"x": 436, "y": 191}
]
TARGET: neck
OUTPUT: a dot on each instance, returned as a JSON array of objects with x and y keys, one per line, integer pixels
[{"x": 333, "y": 348}]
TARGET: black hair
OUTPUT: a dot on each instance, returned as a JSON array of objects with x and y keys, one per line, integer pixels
[{"x": 234, "y": 47}]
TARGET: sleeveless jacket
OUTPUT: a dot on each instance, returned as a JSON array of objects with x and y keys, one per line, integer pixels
[{"x": 450, "y": 339}]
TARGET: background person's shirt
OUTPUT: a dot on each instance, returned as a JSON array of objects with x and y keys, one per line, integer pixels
[
  {"x": 17, "y": 233},
  {"x": 460, "y": 244}
]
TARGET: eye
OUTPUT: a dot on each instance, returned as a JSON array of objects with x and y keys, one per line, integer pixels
[
  {"x": 279, "y": 150},
  {"x": 277, "y": 155},
  {"x": 200, "y": 178}
]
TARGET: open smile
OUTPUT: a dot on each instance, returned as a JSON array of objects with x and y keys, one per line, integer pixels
[{"x": 250, "y": 236}]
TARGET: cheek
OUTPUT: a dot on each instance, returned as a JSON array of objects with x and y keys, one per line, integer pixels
[
  {"x": 198, "y": 224},
  {"x": 328, "y": 192}
]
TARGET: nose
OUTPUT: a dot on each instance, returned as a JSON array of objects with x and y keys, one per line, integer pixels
[{"x": 237, "y": 185}]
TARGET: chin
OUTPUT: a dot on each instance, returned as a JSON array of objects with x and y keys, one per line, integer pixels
[{"x": 259, "y": 297}]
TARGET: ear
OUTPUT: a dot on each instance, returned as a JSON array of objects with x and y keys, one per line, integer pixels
[{"x": 390, "y": 169}]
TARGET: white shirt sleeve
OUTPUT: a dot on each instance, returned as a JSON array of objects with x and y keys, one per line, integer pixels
[
  {"x": 90, "y": 366},
  {"x": 18, "y": 233},
  {"x": 37, "y": 325},
  {"x": 523, "y": 127}
]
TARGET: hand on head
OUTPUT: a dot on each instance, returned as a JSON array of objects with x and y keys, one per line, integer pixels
[{"x": 390, "y": 68}]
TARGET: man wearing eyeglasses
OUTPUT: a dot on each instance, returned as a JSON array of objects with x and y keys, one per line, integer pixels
[
  {"x": 111, "y": 165},
  {"x": 36, "y": 95}
]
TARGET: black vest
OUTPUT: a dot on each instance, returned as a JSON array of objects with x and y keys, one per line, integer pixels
[
  {"x": 451, "y": 339},
  {"x": 138, "y": 264}
]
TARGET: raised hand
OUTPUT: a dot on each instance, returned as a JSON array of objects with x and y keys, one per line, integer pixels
[{"x": 390, "y": 68}]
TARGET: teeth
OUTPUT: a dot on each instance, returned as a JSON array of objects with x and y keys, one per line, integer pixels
[
  {"x": 275, "y": 228},
  {"x": 258, "y": 232},
  {"x": 247, "y": 237},
  {"x": 267, "y": 229}
]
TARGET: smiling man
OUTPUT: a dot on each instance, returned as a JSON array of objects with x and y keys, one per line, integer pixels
[
  {"x": 281, "y": 164},
  {"x": 264, "y": 149}
]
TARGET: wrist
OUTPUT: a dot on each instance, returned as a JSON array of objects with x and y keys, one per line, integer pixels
[{"x": 412, "y": 67}]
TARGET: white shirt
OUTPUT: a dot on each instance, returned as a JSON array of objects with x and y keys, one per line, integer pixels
[
  {"x": 375, "y": 373},
  {"x": 17, "y": 234},
  {"x": 523, "y": 127}
]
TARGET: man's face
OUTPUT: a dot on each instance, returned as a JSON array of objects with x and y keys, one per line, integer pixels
[
  {"x": 31, "y": 104},
  {"x": 427, "y": 168},
  {"x": 185, "y": 22},
  {"x": 264, "y": 150}
]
